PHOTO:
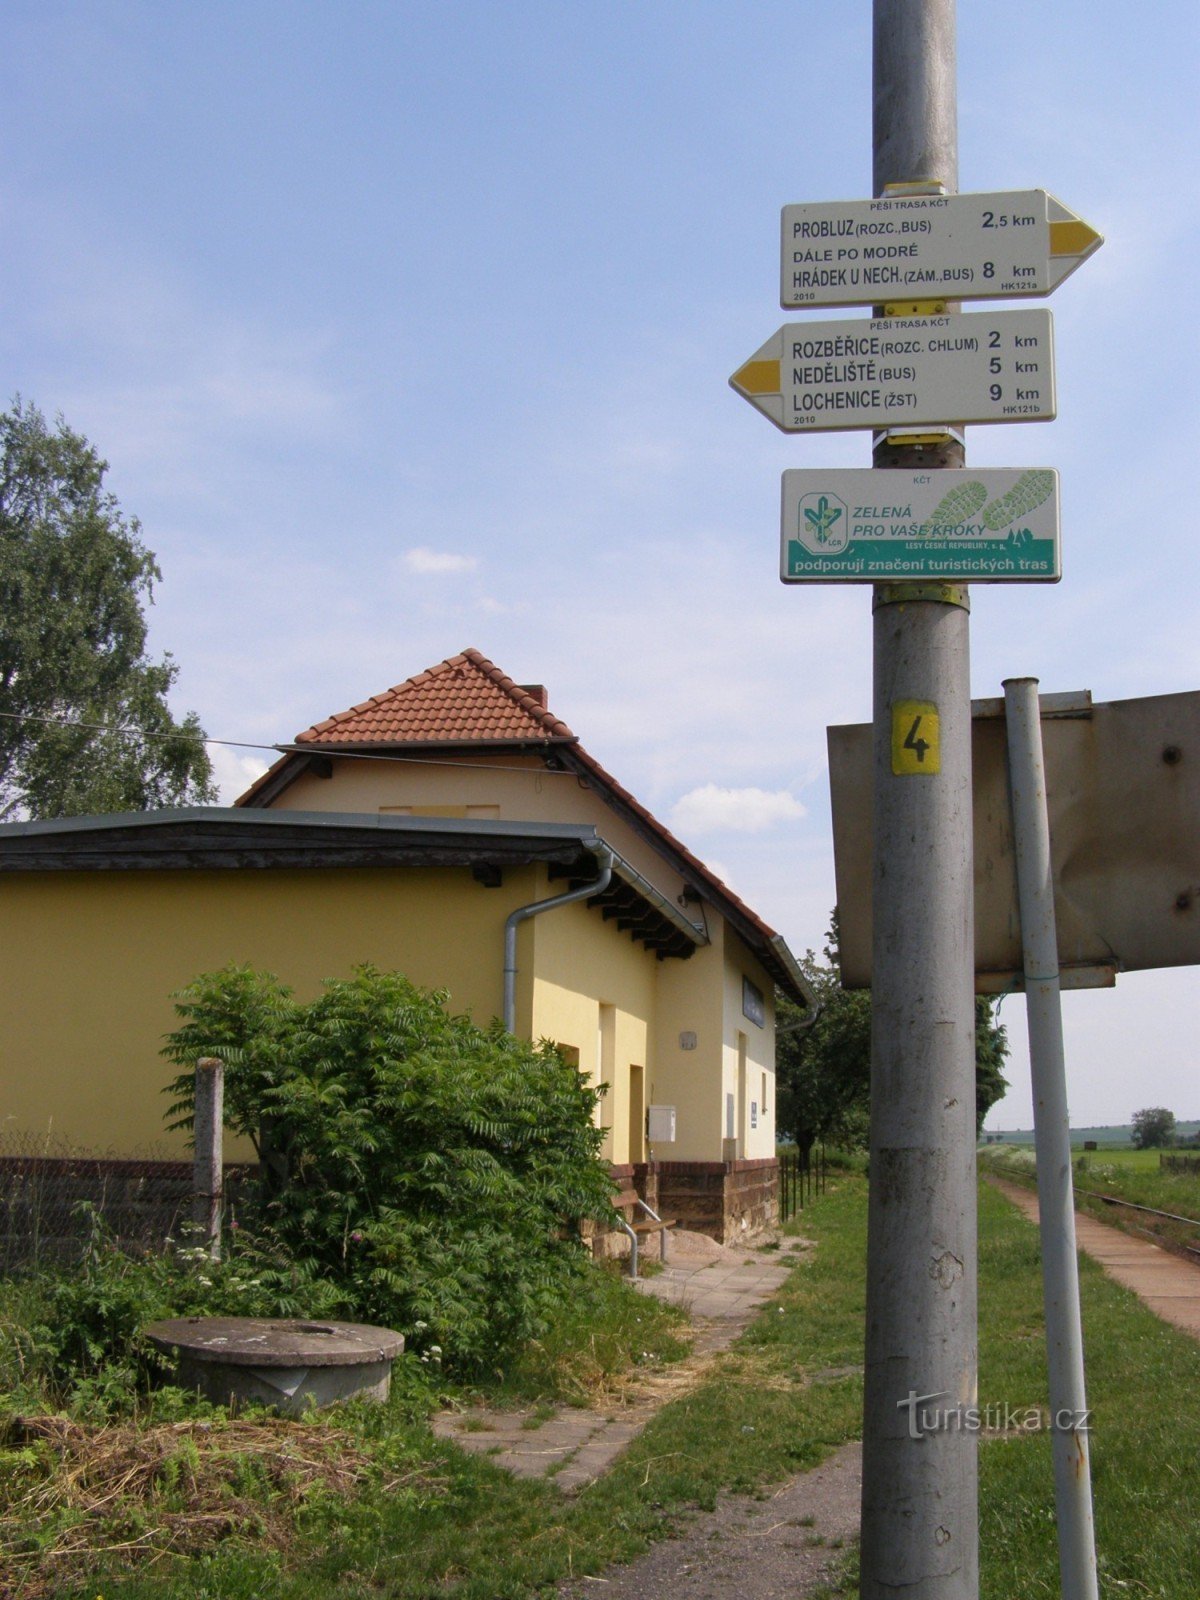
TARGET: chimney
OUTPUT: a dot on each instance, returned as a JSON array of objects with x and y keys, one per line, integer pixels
[{"x": 537, "y": 693}]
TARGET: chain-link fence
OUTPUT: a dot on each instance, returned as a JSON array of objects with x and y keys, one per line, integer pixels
[{"x": 49, "y": 1192}]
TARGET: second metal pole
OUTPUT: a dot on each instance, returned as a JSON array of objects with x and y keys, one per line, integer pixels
[{"x": 1052, "y": 1139}]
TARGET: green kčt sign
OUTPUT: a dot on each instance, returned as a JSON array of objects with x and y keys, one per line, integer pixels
[{"x": 852, "y": 525}]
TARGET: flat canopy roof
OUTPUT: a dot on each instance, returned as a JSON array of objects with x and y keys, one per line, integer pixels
[
  {"x": 219, "y": 836},
  {"x": 208, "y": 838}
]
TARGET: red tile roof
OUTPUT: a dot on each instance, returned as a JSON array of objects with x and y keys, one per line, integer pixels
[
  {"x": 464, "y": 700},
  {"x": 467, "y": 700}
]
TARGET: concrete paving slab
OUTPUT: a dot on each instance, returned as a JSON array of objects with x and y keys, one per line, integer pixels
[
  {"x": 573, "y": 1448},
  {"x": 1167, "y": 1283}
]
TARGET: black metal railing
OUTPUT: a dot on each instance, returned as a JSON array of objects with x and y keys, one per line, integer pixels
[{"x": 801, "y": 1176}]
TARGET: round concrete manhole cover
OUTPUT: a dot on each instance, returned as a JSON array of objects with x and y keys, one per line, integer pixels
[{"x": 286, "y": 1363}]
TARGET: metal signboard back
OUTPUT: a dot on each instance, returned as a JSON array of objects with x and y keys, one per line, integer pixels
[{"x": 1123, "y": 787}]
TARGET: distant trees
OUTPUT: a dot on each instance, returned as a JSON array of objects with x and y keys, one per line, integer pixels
[
  {"x": 84, "y": 720},
  {"x": 823, "y": 1059},
  {"x": 991, "y": 1052},
  {"x": 1152, "y": 1127}
]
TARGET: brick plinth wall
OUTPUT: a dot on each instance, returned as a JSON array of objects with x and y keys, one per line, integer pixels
[
  {"x": 143, "y": 1202},
  {"x": 728, "y": 1200}
]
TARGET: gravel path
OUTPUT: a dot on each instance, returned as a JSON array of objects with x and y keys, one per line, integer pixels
[{"x": 748, "y": 1549}]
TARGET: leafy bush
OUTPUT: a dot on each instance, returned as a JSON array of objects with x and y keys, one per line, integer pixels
[{"x": 433, "y": 1170}]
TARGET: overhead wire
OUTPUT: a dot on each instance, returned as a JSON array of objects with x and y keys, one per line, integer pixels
[{"x": 277, "y": 749}]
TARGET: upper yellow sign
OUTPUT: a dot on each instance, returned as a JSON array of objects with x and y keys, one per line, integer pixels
[{"x": 903, "y": 246}]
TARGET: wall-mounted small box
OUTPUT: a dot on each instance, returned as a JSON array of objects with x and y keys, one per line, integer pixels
[{"x": 660, "y": 1125}]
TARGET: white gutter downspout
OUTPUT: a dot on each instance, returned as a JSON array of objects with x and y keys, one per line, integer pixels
[{"x": 604, "y": 861}]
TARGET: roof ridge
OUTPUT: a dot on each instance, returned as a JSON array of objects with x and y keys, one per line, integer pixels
[
  {"x": 517, "y": 694},
  {"x": 545, "y": 724}
]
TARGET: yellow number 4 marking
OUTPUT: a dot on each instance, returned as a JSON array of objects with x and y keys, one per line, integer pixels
[{"x": 916, "y": 738}]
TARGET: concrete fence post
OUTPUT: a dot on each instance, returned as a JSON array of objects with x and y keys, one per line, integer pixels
[{"x": 208, "y": 1172}]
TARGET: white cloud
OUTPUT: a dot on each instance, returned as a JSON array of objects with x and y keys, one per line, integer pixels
[
  {"x": 423, "y": 560},
  {"x": 720, "y": 870},
  {"x": 233, "y": 772},
  {"x": 711, "y": 809}
]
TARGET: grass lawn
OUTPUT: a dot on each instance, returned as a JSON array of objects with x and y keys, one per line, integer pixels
[
  {"x": 413, "y": 1518},
  {"x": 428, "y": 1520}
]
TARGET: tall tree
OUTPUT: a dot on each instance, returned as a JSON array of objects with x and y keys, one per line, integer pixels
[
  {"x": 84, "y": 721},
  {"x": 1152, "y": 1127},
  {"x": 823, "y": 1058}
]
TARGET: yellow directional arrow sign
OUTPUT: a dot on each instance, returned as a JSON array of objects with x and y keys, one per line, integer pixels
[
  {"x": 982, "y": 366},
  {"x": 905, "y": 247}
]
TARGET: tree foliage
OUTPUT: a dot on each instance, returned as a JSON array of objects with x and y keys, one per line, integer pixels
[
  {"x": 823, "y": 1058},
  {"x": 823, "y": 1061},
  {"x": 84, "y": 721},
  {"x": 436, "y": 1171},
  {"x": 1152, "y": 1127},
  {"x": 991, "y": 1052}
]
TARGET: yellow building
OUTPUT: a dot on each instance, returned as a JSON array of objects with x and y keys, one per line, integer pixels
[{"x": 433, "y": 829}]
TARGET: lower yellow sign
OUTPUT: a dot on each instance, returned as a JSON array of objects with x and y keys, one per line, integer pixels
[{"x": 916, "y": 738}]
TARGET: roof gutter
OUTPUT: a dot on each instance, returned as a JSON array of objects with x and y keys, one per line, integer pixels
[
  {"x": 792, "y": 967},
  {"x": 604, "y": 864}
]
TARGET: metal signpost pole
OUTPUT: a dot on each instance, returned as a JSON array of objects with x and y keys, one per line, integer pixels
[
  {"x": 920, "y": 1497},
  {"x": 1052, "y": 1136}
]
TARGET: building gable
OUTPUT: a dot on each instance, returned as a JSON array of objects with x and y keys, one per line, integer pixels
[{"x": 467, "y": 712}]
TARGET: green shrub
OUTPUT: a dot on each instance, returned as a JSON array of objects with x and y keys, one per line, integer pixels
[
  {"x": 433, "y": 1170},
  {"x": 76, "y": 1335}
]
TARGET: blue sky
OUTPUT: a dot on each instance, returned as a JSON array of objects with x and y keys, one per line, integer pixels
[{"x": 407, "y": 327}]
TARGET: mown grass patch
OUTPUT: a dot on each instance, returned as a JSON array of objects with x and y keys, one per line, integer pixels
[
  {"x": 777, "y": 1402},
  {"x": 1144, "y": 1389},
  {"x": 175, "y": 1489}
]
